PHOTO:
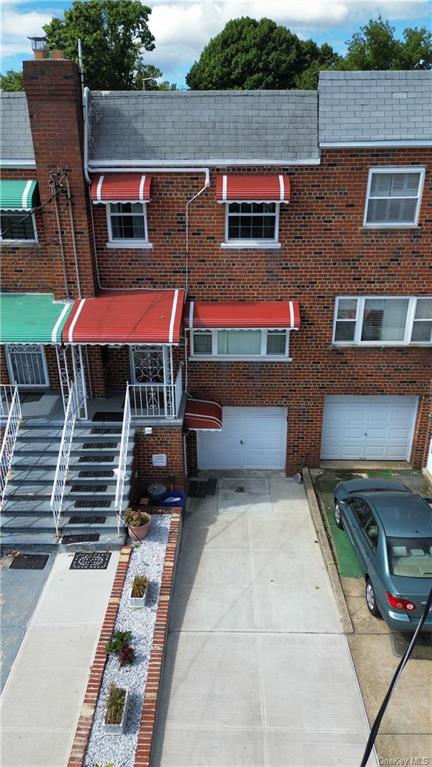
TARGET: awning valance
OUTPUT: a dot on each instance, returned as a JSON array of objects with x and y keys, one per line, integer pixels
[
  {"x": 247, "y": 188},
  {"x": 135, "y": 317},
  {"x": 18, "y": 194},
  {"x": 32, "y": 318},
  {"x": 202, "y": 414},
  {"x": 248, "y": 314},
  {"x": 120, "y": 187}
]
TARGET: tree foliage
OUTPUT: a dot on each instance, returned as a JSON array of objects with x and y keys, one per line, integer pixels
[
  {"x": 114, "y": 35},
  {"x": 376, "y": 47},
  {"x": 251, "y": 54},
  {"x": 11, "y": 81}
]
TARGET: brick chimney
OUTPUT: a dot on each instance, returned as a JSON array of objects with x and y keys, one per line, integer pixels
[{"x": 53, "y": 91}]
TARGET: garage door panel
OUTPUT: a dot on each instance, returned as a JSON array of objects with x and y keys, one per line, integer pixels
[
  {"x": 251, "y": 438},
  {"x": 368, "y": 428}
]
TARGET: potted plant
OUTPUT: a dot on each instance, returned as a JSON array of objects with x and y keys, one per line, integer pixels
[
  {"x": 138, "y": 591},
  {"x": 138, "y": 523},
  {"x": 119, "y": 645},
  {"x": 116, "y": 710}
]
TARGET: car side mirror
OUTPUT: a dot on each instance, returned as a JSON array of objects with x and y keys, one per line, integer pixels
[{"x": 427, "y": 498}]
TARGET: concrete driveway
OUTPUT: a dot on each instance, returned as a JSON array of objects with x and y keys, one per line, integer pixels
[{"x": 258, "y": 672}]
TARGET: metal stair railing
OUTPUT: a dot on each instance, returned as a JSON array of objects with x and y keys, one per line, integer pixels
[
  {"x": 122, "y": 463},
  {"x": 10, "y": 405},
  {"x": 62, "y": 468}
]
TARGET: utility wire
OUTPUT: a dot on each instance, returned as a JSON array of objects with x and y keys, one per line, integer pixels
[
  {"x": 24, "y": 218},
  {"x": 404, "y": 660}
]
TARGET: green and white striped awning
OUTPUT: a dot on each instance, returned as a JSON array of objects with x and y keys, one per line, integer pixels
[
  {"x": 32, "y": 318},
  {"x": 18, "y": 195}
]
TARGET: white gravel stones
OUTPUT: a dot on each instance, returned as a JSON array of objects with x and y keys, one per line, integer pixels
[{"x": 147, "y": 560}]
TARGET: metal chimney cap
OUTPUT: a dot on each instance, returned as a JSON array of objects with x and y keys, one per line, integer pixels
[{"x": 38, "y": 43}]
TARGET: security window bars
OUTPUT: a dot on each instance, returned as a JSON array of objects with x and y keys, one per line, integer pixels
[
  {"x": 234, "y": 344},
  {"x": 17, "y": 225},
  {"x": 127, "y": 221},
  {"x": 27, "y": 365},
  {"x": 383, "y": 321},
  {"x": 249, "y": 221},
  {"x": 393, "y": 197}
]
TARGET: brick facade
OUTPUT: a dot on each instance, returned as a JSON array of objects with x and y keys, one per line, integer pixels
[
  {"x": 325, "y": 252},
  {"x": 166, "y": 440}
]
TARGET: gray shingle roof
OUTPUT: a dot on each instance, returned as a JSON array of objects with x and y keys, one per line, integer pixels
[
  {"x": 202, "y": 125},
  {"x": 15, "y": 135},
  {"x": 375, "y": 106}
]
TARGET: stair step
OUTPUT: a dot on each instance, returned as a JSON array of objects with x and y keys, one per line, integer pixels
[
  {"x": 49, "y": 462},
  {"x": 29, "y": 448},
  {"x": 45, "y": 542},
  {"x": 35, "y": 523},
  {"x": 43, "y": 492},
  {"x": 36, "y": 475},
  {"x": 42, "y": 509}
]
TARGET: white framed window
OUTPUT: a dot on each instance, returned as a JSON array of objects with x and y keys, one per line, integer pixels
[
  {"x": 252, "y": 224},
  {"x": 127, "y": 224},
  {"x": 237, "y": 344},
  {"x": 393, "y": 197},
  {"x": 382, "y": 321},
  {"x": 27, "y": 366},
  {"x": 17, "y": 226}
]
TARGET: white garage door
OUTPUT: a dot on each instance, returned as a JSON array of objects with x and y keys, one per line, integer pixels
[
  {"x": 251, "y": 438},
  {"x": 368, "y": 428}
]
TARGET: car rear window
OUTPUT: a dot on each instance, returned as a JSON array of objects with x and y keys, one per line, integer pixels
[{"x": 411, "y": 557}]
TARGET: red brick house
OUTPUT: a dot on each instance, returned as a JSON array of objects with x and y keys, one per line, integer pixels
[{"x": 269, "y": 252}]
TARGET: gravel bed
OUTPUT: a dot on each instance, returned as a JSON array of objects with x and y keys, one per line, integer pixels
[{"x": 146, "y": 559}]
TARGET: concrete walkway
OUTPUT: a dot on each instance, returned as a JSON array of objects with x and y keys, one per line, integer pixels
[
  {"x": 258, "y": 672},
  {"x": 42, "y": 698}
]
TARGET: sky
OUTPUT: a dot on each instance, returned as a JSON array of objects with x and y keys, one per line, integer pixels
[{"x": 183, "y": 27}]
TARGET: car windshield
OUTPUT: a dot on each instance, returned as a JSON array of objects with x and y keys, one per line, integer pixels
[{"x": 411, "y": 557}]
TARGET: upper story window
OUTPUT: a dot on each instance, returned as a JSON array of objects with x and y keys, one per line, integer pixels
[
  {"x": 127, "y": 222},
  {"x": 383, "y": 321},
  {"x": 393, "y": 197},
  {"x": 234, "y": 344},
  {"x": 251, "y": 222},
  {"x": 252, "y": 205},
  {"x": 17, "y": 225}
]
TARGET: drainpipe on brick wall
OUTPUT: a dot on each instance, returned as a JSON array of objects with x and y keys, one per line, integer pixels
[
  {"x": 60, "y": 236},
  {"x": 74, "y": 248},
  {"x": 86, "y": 133}
]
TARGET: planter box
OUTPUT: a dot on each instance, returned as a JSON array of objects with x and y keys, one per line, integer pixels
[
  {"x": 118, "y": 729},
  {"x": 137, "y": 602}
]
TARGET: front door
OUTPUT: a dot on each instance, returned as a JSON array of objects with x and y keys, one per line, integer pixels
[{"x": 27, "y": 366}]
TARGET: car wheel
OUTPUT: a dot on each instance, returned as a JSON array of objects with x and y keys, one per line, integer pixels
[
  {"x": 371, "y": 600},
  {"x": 338, "y": 516}
]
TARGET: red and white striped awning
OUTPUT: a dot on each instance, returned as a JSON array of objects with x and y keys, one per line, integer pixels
[
  {"x": 246, "y": 188},
  {"x": 248, "y": 314},
  {"x": 203, "y": 415},
  {"x": 120, "y": 187},
  {"x": 135, "y": 317}
]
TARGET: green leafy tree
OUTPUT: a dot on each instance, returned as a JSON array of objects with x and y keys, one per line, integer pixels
[
  {"x": 11, "y": 81},
  {"x": 376, "y": 47},
  {"x": 149, "y": 80},
  {"x": 251, "y": 54},
  {"x": 114, "y": 35}
]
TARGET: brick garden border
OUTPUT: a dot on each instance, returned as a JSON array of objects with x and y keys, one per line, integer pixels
[{"x": 157, "y": 654}]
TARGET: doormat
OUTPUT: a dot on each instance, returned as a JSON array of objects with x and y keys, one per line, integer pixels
[
  {"x": 92, "y": 504},
  {"x": 99, "y": 445},
  {"x": 88, "y": 489},
  {"x": 211, "y": 486},
  {"x": 90, "y": 560},
  {"x": 90, "y": 537},
  {"x": 96, "y": 473},
  {"x": 29, "y": 562},
  {"x": 197, "y": 488},
  {"x": 83, "y": 519},
  {"x": 105, "y": 415},
  {"x": 31, "y": 397},
  {"x": 96, "y": 459}
]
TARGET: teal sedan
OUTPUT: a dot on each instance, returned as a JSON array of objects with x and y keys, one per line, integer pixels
[{"x": 390, "y": 528}]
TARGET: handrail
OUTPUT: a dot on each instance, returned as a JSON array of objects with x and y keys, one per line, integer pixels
[
  {"x": 156, "y": 400},
  {"x": 122, "y": 464},
  {"x": 9, "y": 436},
  {"x": 62, "y": 468}
]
